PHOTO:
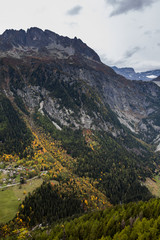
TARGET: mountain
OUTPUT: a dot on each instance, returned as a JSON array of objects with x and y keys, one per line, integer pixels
[
  {"x": 36, "y": 42},
  {"x": 130, "y": 73},
  {"x": 157, "y": 79},
  {"x": 69, "y": 119},
  {"x": 48, "y": 63}
]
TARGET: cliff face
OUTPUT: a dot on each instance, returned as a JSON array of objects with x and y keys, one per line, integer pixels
[
  {"x": 36, "y": 42},
  {"x": 65, "y": 79}
]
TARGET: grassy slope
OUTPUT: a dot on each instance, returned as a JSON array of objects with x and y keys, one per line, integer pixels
[
  {"x": 8, "y": 205},
  {"x": 9, "y": 198},
  {"x": 153, "y": 185}
]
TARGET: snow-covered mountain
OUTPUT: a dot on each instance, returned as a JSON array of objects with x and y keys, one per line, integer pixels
[{"x": 130, "y": 73}]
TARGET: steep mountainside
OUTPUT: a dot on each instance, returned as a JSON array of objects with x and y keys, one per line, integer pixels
[
  {"x": 79, "y": 72},
  {"x": 69, "y": 118},
  {"x": 130, "y": 73}
]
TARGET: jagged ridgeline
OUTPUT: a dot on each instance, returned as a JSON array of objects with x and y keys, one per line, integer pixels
[{"x": 68, "y": 118}]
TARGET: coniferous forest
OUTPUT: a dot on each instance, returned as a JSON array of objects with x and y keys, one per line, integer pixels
[{"x": 133, "y": 221}]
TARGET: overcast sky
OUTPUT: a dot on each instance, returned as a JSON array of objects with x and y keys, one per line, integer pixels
[{"x": 122, "y": 32}]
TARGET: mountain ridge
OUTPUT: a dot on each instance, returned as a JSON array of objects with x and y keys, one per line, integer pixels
[
  {"x": 123, "y": 96},
  {"x": 130, "y": 73},
  {"x": 34, "y": 40}
]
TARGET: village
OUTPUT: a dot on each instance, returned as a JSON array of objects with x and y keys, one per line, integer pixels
[{"x": 15, "y": 175}]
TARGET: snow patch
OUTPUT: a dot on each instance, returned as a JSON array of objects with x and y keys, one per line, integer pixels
[
  {"x": 151, "y": 76},
  {"x": 57, "y": 126},
  {"x": 41, "y": 108}
]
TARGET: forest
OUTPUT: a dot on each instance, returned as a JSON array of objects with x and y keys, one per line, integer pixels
[
  {"x": 14, "y": 134},
  {"x": 135, "y": 220},
  {"x": 130, "y": 221},
  {"x": 101, "y": 157}
]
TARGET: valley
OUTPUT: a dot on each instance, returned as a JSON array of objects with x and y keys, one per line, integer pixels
[{"x": 75, "y": 137}]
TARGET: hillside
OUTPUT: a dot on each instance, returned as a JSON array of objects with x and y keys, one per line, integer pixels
[
  {"x": 71, "y": 121},
  {"x": 132, "y": 221}
]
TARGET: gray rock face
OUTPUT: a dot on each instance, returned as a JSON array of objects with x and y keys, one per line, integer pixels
[
  {"x": 19, "y": 43},
  {"x": 36, "y": 98},
  {"x": 135, "y": 103}
]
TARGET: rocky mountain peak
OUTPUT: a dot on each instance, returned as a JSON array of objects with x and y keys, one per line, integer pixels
[{"x": 35, "y": 39}]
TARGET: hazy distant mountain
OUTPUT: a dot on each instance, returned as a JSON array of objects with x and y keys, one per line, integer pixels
[
  {"x": 130, "y": 73},
  {"x": 157, "y": 79}
]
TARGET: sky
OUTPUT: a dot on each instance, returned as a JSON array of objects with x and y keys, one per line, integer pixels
[{"x": 124, "y": 33}]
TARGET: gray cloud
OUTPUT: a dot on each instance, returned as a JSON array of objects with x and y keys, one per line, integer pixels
[
  {"x": 140, "y": 27},
  {"x": 124, "y": 6},
  {"x": 111, "y": 62},
  {"x": 158, "y": 44},
  {"x": 124, "y": 61},
  {"x": 131, "y": 52},
  {"x": 73, "y": 24},
  {"x": 75, "y": 10},
  {"x": 147, "y": 32}
]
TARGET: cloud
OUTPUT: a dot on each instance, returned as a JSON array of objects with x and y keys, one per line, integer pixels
[
  {"x": 125, "y": 6},
  {"x": 125, "y": 60},
  {"x": 131, "y": 52},
  {"x": 111, "y": 62},
  {"x": 158, "y": 44},
  {"x": 75, "y": 10},
  {"x": 147, "y": 32},
  {"x": 73, "y": 24},
  {"x": 141, "y": 26},
  {"x": 139, "y": 66}
]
